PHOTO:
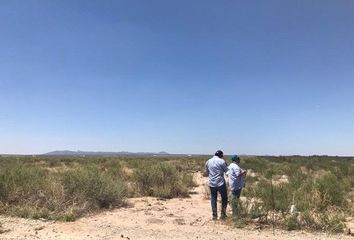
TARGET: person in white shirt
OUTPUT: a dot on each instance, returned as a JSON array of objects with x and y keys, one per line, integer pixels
[
  {"x": 215, "y": 168},
  {"x": 236, "y": 181}
]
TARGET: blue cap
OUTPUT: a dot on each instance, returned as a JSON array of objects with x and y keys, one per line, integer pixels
[{"x": 234, "y": 157}]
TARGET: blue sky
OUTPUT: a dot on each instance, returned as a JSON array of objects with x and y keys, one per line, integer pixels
[{"x": 249, "y": 77}]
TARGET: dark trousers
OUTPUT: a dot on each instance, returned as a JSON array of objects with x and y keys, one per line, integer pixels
[{"x": 214, "y": 197}]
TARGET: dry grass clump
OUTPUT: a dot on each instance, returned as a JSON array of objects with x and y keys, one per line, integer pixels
[
  {"x": 28, "y": 190},
  {"x": 162, "y": 180}
]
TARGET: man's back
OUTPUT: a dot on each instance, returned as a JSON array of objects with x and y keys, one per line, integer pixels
[
  {"x": 236, "y": 178},
  {"x": 216, "y": 167}
]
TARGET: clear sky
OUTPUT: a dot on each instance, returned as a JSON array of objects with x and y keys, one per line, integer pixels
[{"x": 248, "y": 77}]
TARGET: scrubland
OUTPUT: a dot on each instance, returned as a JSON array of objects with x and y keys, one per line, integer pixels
[{"x": 313, "y": 193}]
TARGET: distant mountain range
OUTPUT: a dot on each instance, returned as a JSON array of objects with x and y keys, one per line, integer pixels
[{"x": 89, "y": 153}]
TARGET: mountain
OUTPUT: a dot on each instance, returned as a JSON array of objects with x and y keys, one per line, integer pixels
[{"x": 89, "y": 153}]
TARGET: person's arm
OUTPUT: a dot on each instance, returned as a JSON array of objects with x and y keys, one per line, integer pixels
[
  {"x": 224, "y": 167},
  {"x": 206, "y": 168},
  {"x": 228, "y": 171},
  {"x": 243, "y": 172},
  {"x": 237, "y": 171}
]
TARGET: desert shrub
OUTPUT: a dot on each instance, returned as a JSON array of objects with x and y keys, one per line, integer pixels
[
  {"x": 251, "y": 180},
  {"x": 113, "y": 167},
  {"x": 134, "y": 163},
  {"x": 309, "y": 221},
  {"x": 292, "y": 222},
  {"x": 19, "y": 182},
  {"x": 296, "y": 177},
  {"x": 250, "y": 212},
  {"x": 53, "y": 162},
  {"x": 318, "y": 187},
  {"x": 349, "y": 181},
  {"x": 161, "y": 180},
  {"x": 257, "y": 164},
  {"x": 274, "y": 197},
  {"x": 188, "y": 181},
  {"x": 24, "y": 190},
  {"x": 321, "y": 221},
  {"x": 29, "y": 211},
  {"x": 332, "y": 222},
  {"x": 89, "y": 185},
  {"x": 331, "y": 191},
  {"x": 27, "y": 190}
]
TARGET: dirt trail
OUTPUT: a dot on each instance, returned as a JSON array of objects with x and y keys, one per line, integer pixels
[{"x": 148, "y": 218}]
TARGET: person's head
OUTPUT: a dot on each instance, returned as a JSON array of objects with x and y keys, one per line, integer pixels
[
  {"x": 219, "y": 153},
  {"x": 235, "y": 158}
]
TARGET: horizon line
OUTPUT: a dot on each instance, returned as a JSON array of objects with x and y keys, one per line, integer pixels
[{"x": 167, "y": 153}]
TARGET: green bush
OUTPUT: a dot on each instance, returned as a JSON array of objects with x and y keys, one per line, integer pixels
[
  {"x": 27, "y": 190},
  {"x": 19, "y": 182},
  {"x": 161, "y": 180},
  {"x": 292, "y": 222},
  {"x": 333, "y": 223},
  {"x": 188, "y": 181},
  {"x": 88, "y": 184},
  {"x": 274, "y": 197},
  {"x": 331, "y": 191}
]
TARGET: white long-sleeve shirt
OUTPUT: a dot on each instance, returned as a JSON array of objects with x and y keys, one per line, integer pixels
[
  {"x": 236, "y": 179},
  {"x": 216, "y": 167}
]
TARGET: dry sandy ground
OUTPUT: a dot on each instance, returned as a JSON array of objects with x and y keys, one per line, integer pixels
[{"x": 148, "y": 218}]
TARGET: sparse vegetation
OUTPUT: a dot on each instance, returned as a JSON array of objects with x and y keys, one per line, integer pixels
[
  {"x": 37, "y": 190},
  {"x": 160, "y": 180},
  {"x": 67, "y": 188},
  {"x": 314, "y": 193}
]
